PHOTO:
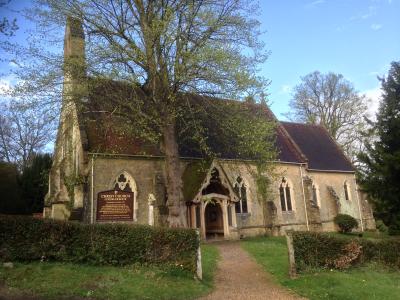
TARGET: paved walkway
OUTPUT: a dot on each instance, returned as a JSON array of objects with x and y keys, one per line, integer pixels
[{"x": 238, "y": 276}]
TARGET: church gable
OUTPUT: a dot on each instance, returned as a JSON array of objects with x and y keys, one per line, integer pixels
[{"x": 201, "y": 179}]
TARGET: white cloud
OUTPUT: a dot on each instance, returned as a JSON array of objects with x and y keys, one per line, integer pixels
[
  {"x": 366, "y": 15},
  {"x": 374, "y": 96},
  {"x": 340, "y": 28},
  {"x": 285, "y": 89},
  {"x": 316, "y": 2},
  {"x": 376, "y": 26},
  {"x": 12, "y": 64},
  {"x": 380, "y": 71},
  {"x": 5, "y": 86}
]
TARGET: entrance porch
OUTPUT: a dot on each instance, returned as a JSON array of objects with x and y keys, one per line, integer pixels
[
  {"x": 212, "y": 210},
  {"x": 214, "y": 216}
]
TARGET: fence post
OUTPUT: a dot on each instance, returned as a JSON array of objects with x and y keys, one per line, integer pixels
[
  {"x": 199, "y": 268},
  {"x": 292, "y": 263}
]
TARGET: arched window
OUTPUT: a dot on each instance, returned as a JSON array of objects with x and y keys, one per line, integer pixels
[
  {"x": 346, "y": 191},
  {"x": 125, "y": 182},
  {"x": 315, "y": 196},
  {"x": 285, "y": 195},
  {"x": 241, "y": 191},
  {"x": 215, "y": 185}
]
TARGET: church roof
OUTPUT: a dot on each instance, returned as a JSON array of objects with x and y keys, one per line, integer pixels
[
  {"x": 296, "y": 143},
  {"x": 318, "y": 146}
]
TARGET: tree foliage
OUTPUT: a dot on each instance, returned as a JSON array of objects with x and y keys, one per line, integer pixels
[
  {"x": 33, "y": 182},
  {"x": 7, "y": 26},
  {"x": 331, "y": 101},
  {"x": 24, "y": 130},
  {"x": 345, "y": 222},
  {"x": 11, "y": 201},
  {"x": 166, "y": 49},
  {"x": 381, "y": 175},
  {"x": 24, "y": 192}
]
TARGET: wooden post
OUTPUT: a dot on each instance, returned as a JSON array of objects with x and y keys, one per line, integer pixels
[
  {"x": 199, "y": 268},
  {"x": 292, "y": 263}
]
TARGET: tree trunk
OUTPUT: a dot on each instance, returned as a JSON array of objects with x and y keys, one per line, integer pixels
[{"x": 176, "y": 206}]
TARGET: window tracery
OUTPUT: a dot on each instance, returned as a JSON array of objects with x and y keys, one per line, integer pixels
[
  {"x": 241, "y": 191},
  {"x": 315, "y": 201},
  {"x": 285, "y": 195},
  {"x": 346, "y": 191}
]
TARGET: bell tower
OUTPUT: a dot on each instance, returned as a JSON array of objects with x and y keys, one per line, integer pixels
[{"x": 64, "y": 199}]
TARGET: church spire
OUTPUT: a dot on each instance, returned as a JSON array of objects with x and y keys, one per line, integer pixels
[{"x": 74, "y": 49}]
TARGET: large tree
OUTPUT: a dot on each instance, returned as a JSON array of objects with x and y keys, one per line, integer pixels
[
  {"x": 24, "y": 130},
  {"x": 331, "y": 101},
  {"x": 33, "y": 182},
  {"x": 380, "y": 176},
  {"x": 7, "y": 26},
  {"x": 167, "y": 49}
]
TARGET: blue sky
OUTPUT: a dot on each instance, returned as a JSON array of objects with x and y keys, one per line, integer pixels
[{"x": 357, "y": 38}]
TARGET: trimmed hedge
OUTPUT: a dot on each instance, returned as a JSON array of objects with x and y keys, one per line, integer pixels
[
  {"x": 28, "y": 239},
  {"x": 321, "y": 250},
  {"x": 345, "y": 222}
]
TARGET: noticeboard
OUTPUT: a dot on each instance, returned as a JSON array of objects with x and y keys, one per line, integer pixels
[{"x": 114, "y": 206}]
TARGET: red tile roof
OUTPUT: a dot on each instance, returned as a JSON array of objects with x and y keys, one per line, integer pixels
[
  {"x": 296, "y": 143},
  {"x": 318, "y": 146}
]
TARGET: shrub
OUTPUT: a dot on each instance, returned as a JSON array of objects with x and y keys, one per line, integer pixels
[
  {"x": 28, "y": 239},
  {"x": 394, "y": 227},
  {"x": 381, "y": 226},
  {"x": 345, "y": 222},
  {"x": 351, "y": 252},
  {"x": 322, "y": 250}
]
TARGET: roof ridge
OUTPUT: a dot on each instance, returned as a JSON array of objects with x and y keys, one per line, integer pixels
[
  {"x": 303, "y": 124},
  {"x": 301, "y": 155}
]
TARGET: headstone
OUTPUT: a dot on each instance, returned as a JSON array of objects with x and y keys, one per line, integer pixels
[{"x": 292, "y": 263}]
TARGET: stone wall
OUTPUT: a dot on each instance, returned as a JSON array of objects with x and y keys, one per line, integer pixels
[
  {"x": 147, "y": 174},
  {"x": 263, "y": 216}
]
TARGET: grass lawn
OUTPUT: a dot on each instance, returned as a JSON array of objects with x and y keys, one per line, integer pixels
[
  {"x": 367, "y": 282},
  {"x": 58, "y": 280}
]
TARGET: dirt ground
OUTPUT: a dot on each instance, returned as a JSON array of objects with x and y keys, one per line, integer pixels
[{"x": 238, "y": 276}]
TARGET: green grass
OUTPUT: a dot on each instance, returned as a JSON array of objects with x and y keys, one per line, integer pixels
[
  {"x": 367, "y": 282},
  {"x": 56, "y": 280}
]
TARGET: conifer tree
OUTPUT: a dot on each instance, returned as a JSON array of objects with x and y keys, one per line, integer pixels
[{"x": 380, "y": 176}]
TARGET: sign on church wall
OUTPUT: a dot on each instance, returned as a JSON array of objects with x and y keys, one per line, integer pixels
[{"x": 114, "y": 206}]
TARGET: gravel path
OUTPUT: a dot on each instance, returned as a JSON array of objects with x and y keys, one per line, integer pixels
[{"x": 238, "y": 276}]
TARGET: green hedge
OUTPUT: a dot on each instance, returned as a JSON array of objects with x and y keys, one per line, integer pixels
[
  {"x": 321, "y": 250},
  {"x": 29, "y": 239}
]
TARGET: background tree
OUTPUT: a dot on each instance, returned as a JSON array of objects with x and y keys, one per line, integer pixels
[
  {"x": 380, "y": 176},
  {"x": 331, "y": 101},
  {"x": 7, "y": 27},
  {"x": 10, "y": 200},
  {"x": 33, "y": 182},
  {"x": 24, "y": 130},
  {"x": 166, "y": 49}
]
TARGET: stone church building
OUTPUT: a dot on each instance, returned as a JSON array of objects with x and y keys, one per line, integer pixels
[{"x": 98, "y": 176}]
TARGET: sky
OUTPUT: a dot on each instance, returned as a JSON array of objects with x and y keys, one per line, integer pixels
[{"x": 356, "y": 38}]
